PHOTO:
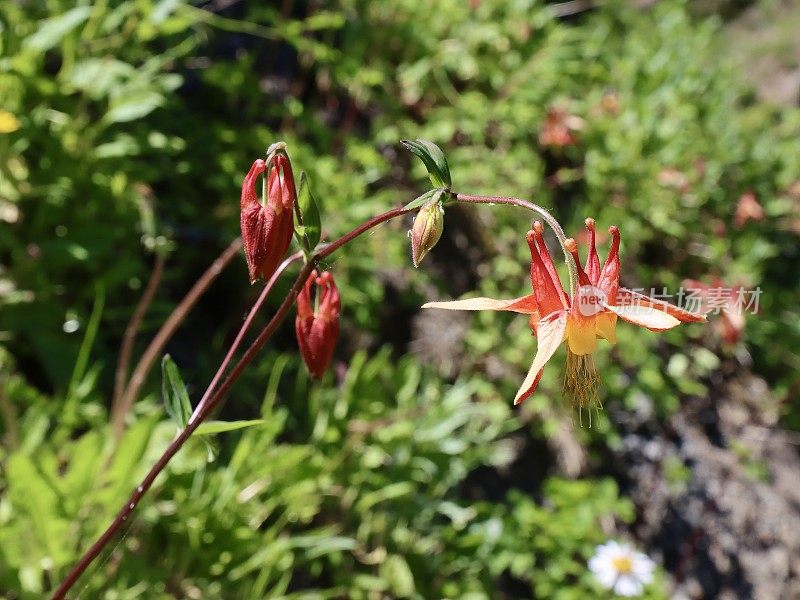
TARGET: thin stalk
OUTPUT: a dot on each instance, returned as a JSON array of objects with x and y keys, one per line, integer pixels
[
  {"x": 242, "y": 331},
  {"x": 329, "y": 249},
  {"x": 546, "y": 217},
  {"x": 213, "y": 401},
  {"x": 153, "y": 351},
  {"x": 128, "y": 339},
  {"x": 180, "y": 439}
]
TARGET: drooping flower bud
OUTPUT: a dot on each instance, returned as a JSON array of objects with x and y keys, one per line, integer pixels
[
  {"x": 317, "y": 330},
  {"x": 427, "y": 230},
  {"x": 267, "y": 227}
]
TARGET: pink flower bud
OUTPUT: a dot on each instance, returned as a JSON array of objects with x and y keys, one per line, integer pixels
[
  {"x": 267, "y": 228},
  {"x": 318, "y": 330}
]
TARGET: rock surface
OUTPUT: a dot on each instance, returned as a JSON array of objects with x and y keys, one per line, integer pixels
[{"x": 717, "y": 488}]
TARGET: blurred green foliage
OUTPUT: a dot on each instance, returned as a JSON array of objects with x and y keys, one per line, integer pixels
[
  {"x": 127, "y": 126},
  {"x": 355, "y": 492}
]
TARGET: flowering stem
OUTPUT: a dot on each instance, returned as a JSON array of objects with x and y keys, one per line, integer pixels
[
  {"x": 240, "y": 336},
  {"x": 329, "y": 249},
  {"x": 180, "y": 439},
  {"x": 546, "y": 216},
  {"x": 214, "y": 398},
  {"x": 120, "y": 409}
]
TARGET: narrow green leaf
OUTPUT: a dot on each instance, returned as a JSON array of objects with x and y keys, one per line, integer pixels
[
  {"x": 434, "y": 160},
  {"x": 82, "y": 361},
  {"x": 212, "y": 448},
  {"x": 176, "y": 398},
  {"x": 423, "y": 199},
  {"x": 397, "y": 573},
  {"x": 439, "y": 159},
  {"x": 133, "y": 105},
  {"x": 212, "y": 427},
  {"x": 311, "y": 227},
  {"x": 51, "y": 31}
]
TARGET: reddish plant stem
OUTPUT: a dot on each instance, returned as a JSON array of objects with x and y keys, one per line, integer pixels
[
  {"x": 542, "y": 212},
  {"x": 128, "y": 339},
  {"x": 242, "y": 331},
  {"x": 121, "y": 408},
  {"x": 213, "y": 400},
  {"x": 336, "y": 244},
  {"x": 180, "y": 439}
]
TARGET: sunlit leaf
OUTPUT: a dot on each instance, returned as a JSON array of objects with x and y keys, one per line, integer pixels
[
  {"x": 309, "y": 211},
  {"x": 173, "y": 390},
  {"x": 51, "y": 31},
  {"x": 211, "y": 427},
  {"x": 134, "y": 106}
]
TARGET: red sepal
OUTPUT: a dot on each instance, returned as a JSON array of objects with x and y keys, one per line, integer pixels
[
  {"x": 318, "y": 331},
  {"x": 267, "y": 229}
]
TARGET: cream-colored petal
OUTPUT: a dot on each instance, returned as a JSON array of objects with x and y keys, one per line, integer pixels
[
  {"x": 629, "y": 297},
  {"x": 645, "y": 316},
  {"x": 516, "y": 305},
  {"x": 550, "y": 335}
]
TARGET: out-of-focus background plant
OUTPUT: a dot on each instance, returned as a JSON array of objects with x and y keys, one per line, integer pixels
[{"x": 126, "y": 127}]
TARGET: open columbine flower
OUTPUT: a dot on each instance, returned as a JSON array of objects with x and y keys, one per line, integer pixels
[
  {"x": 591, "y": 314},
  {"x": 619, "y": 567}
]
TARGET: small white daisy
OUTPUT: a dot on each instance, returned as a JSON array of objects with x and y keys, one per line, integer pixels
[{"x": 621, "y": 568}]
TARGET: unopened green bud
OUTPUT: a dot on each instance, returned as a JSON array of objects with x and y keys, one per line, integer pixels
[{"x": 427, "y": 230}]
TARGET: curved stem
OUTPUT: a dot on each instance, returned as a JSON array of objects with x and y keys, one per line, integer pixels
[
  {"x": 180, "y": 439},
  {"x": 212, "y": 402},
  {"x": 335, "y": 245},
  {"x": 546, "y": 217},
  {"x": 129, "y": 338},
  {"x": 242, "y": 331},
  {"x": 121, "y": 408}
]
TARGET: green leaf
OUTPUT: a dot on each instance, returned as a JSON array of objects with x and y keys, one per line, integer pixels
[
  {"x": 99, "y": 77},
  {"x": 51, "y": 31},
  {"x": 32, "y": 490},
  {"x": 82, "y": 361},
  {"x": 212, "y": 448},
  {"x": 397, "y": 573},
  {"x": 134, "y": 105},
  {"x": 212, "y": 427},
  {"x": 126, "y": 464},
  {"x": 309, "y": 214},
  {"x": 434, "y": 160},
  {"x": 176, "y": 398},
  {"x": 163, "y": 10},
  {"x": 425, "y": 198}
]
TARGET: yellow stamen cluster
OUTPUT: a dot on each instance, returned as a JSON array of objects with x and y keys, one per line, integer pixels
[
  {"x": 622, "y": 564},
  {"x": 581, "y": 382}
]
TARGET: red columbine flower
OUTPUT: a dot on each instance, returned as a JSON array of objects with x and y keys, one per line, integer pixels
[
  {"x": 267, "y": 228},
  {"x": 318, "y": 329},
  {"x": 591, "y": 314}
]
